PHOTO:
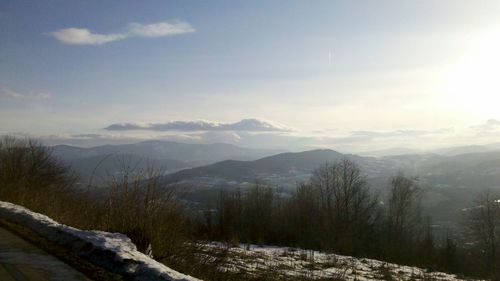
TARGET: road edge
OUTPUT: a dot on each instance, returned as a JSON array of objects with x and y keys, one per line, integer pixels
[{"x": 90, "y": 270}]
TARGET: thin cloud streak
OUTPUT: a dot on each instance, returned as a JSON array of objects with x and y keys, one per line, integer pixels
[
  {"x": 11, "y": 94},
  {"x": 159, "y": 29},
  {"x": 83, "y": 36}
]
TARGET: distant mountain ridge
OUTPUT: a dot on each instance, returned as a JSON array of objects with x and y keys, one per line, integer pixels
[
  {"x": 446, "y": 151},
  {"x": 96, "y": 170},
  {"x": 451, "y": 151},
  {"x": 190, "y": 154},
  {"x": 449, "y": 180},
  {"x": 432, "y": 168},
  {"x": 227, "y": 162},
  {"x": 98, "y": 163}
]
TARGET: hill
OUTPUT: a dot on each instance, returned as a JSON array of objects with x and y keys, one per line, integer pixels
[{"x": 282, "y": 165}]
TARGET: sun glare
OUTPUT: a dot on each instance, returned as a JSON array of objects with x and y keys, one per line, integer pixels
[{"x": 473, "y": 83}]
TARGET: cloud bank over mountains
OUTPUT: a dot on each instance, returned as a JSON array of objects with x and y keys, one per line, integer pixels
[
  {"x": 489, "y": 126},
  {"x": 83, "y": 36},
  {"x": 249, "y": 125},
  {"x": 257, "y": 133}
]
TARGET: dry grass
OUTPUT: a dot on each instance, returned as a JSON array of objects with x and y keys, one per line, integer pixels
[{"x": 136, "y": 204}]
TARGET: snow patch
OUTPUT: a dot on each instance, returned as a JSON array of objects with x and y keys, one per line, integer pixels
[
  {"x": 289, "y": 263},
  {"x": 113, "y": 251}
]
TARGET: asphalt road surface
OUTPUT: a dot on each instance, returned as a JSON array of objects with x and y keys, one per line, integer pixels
[{"x": 22, "y": 261}]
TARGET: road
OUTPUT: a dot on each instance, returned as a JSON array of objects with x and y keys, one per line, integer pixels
[{"x": 22, "y": 261}]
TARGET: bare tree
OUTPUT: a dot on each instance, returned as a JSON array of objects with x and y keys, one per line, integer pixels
[
  {"x": 346, "y": 203},
  {"x": 404, "y": 207},
  {"x": 29, "y": 172},
  {"x": 483, "y": 221},
  {"x": 305, "y": 212},
  {"x": 230, "y": 214}
]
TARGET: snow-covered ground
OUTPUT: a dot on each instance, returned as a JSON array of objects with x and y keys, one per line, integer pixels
[
  {"x": 112, "y": 251},
  {"x": 293, "y": 262}
]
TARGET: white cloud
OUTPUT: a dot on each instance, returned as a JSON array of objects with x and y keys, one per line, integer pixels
[
  {"x": 488, "y": 126},
  {"x": 6, "y": 92},
  {"x": 83, "y": 36}
]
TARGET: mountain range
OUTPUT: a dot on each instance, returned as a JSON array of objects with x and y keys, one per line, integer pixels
[
  {"x": 232, "y": 163},
  {"x": 451, "y": 178},
  {"x": 190, "y": 154},
  {"x": 450, "y": 182},
  {"x": 102, "y": 161}
]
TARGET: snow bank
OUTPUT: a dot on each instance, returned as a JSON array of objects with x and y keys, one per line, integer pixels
[
  {"x": 114, "y": 252},
  {"x": 291, "y": 263}
]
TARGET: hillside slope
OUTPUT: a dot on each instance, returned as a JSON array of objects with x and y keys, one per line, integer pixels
[{"x": 284, "y": 163}]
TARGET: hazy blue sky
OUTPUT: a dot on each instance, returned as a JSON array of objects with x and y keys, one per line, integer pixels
[{"x": 354, "y": 75}]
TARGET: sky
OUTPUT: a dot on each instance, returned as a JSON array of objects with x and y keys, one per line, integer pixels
[{"x": 347, "y": 75}]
